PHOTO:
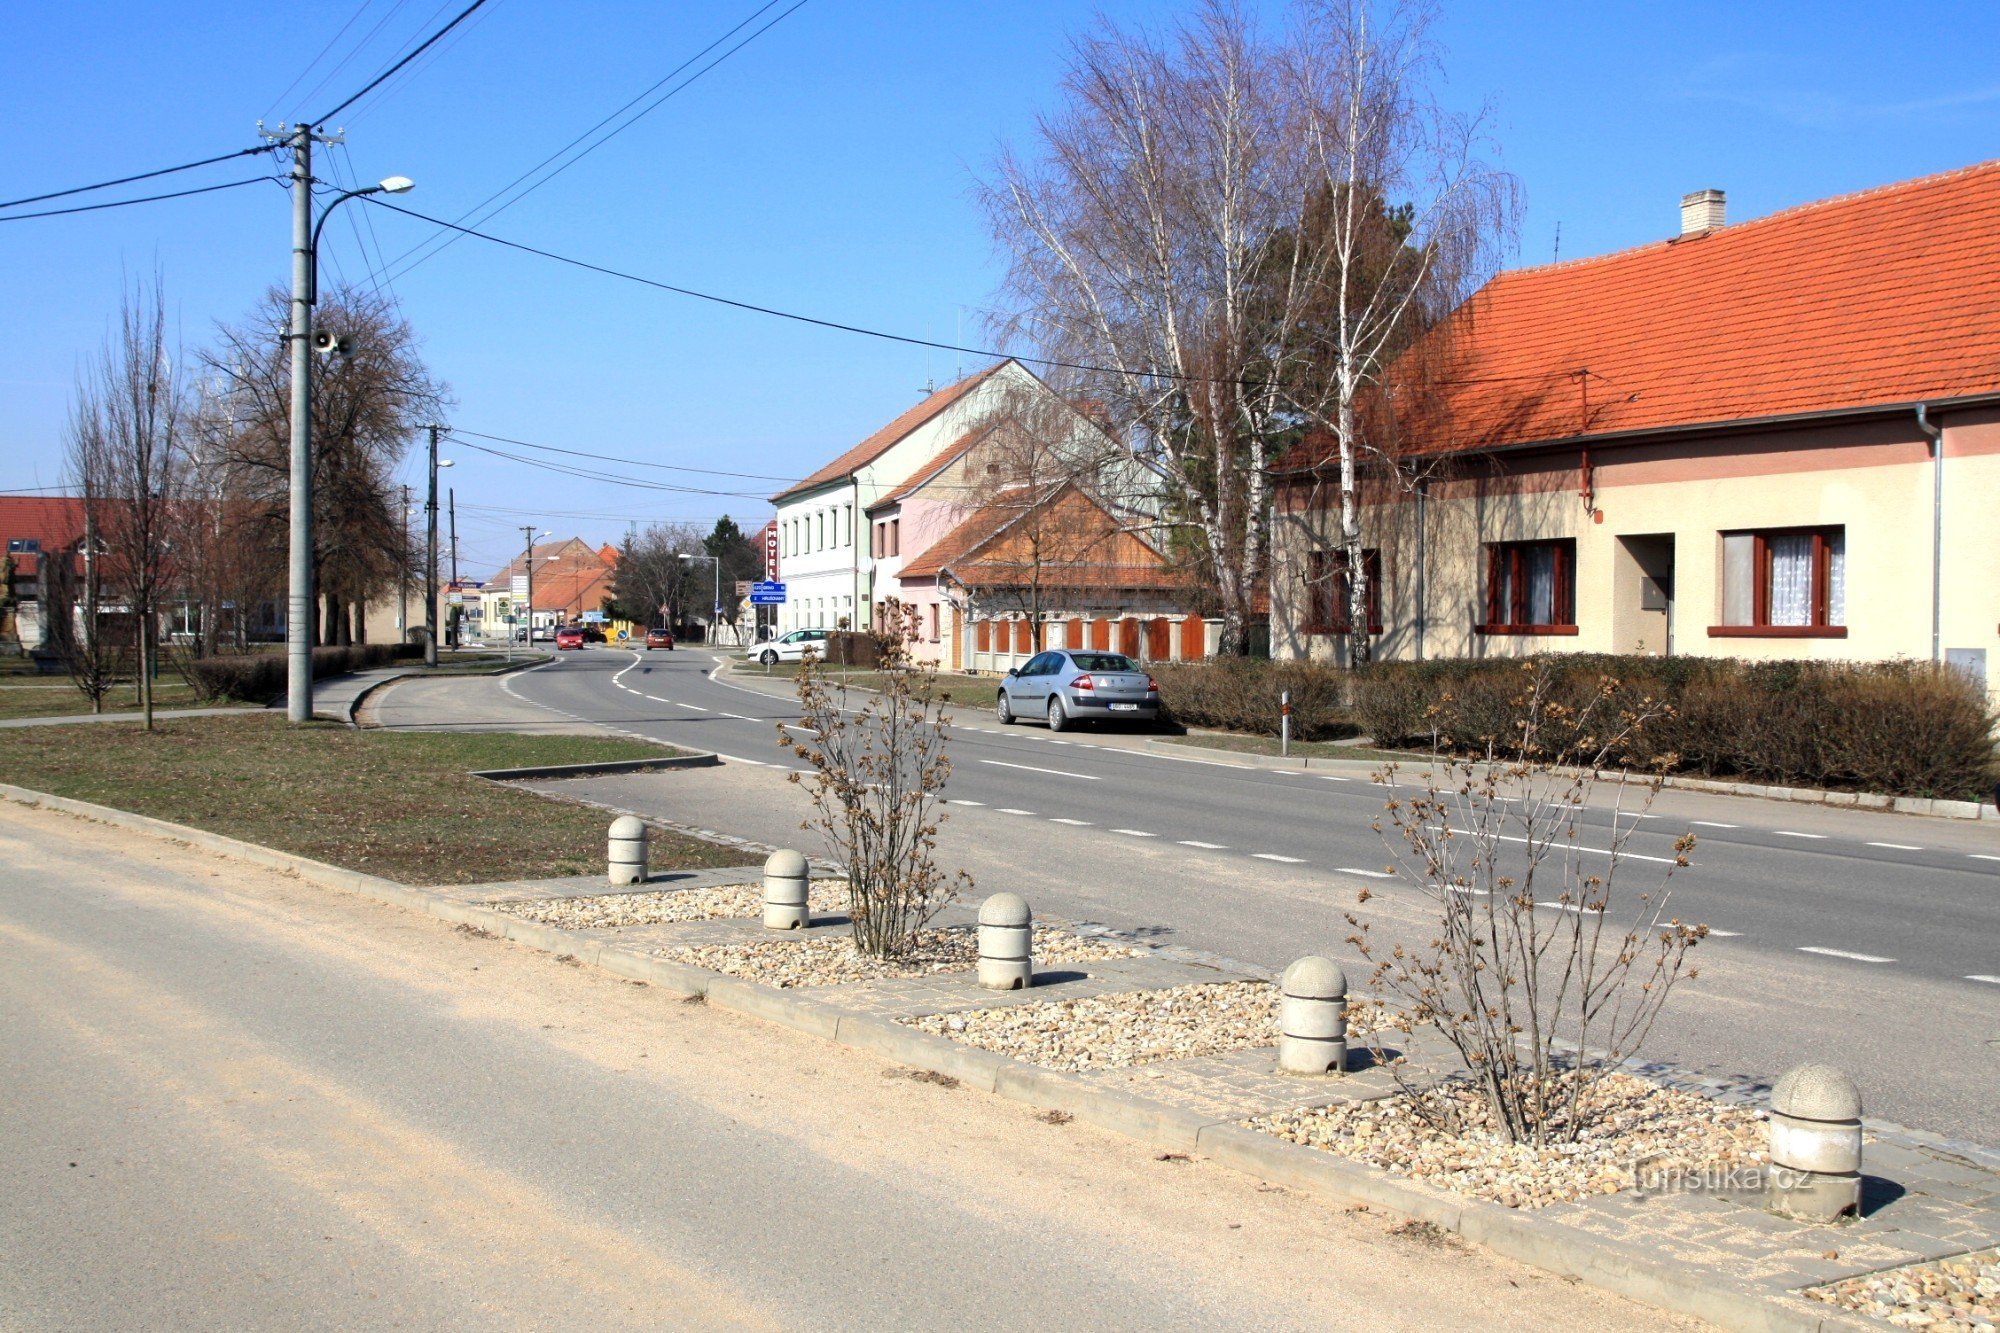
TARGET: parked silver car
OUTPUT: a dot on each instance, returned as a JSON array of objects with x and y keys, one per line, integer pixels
[{"x": 1073, "y": 685}]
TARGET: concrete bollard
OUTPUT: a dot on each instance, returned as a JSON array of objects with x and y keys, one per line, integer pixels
[
  {"x": 787, "y": 882},
  {"x": 1312, "y": 1018},
  {"x": 1815, "y": 1145},
  {"x": 627, "y": 852},
  {"x": 1006, "y": 943}
]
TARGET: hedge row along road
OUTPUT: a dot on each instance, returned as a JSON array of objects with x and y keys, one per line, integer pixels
[{"x": 1869, "y": 940}]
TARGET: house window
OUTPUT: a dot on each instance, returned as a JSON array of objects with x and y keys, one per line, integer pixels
[
  {"x": 847, "y": 526},
  {"x": 24, "y": 546},
  {"x": 1327, "y": 591},
  {"x": 1784, "y": 583},
  {"x": 934, "y": 622},
  {"x": 895, "y": 536},
  {"x": 1530, "y": 588}
]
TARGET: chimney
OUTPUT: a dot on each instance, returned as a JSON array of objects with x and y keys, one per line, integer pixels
[{"x": 1700, "y": 212}]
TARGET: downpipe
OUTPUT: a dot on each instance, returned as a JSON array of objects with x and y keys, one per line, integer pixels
[{"x": 1936, "y": 433}]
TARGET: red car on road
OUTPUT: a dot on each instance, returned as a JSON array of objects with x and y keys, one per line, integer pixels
[
  {"x": 660, "y": 637},
  {"x": 569, "y": 636}
]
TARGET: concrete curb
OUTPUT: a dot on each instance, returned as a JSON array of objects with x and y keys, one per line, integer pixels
[
  {"x": 1902, "y": 805},
  {"x": 354, "y": 704},
  {"x": 1527, "y": 1238},
  {"x": 697, "y": 759}
]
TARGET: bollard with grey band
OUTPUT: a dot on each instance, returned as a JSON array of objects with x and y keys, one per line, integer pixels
[
  {"x": 786, "y": 884},
  {"x": 1006, "y": 943},
  {"x": 1815, "y": 1145},
  {"x": 1312, "y": 1018},
  {"x": 628, "y": 850}
]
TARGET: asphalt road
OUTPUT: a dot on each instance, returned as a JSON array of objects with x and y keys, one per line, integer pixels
[
  {"x": 1871, "y": 940},
  {"x": 232, "y": 1099}
]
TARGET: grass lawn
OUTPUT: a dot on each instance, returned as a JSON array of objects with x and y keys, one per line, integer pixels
[
  {"x": 396, "y": 804},
  {"x": 1241, "y": 744},
  {"x": 53, "y": 696}
]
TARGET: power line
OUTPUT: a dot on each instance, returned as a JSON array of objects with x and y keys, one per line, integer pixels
[
  {"x": 143, "y": 199},
  {"x": 300, "y": 78},
  {"x": 435, "y": 246},
  {"x": 142, "y": 176},
  {"x": 462, "y": 15},
  {"x": 587, "y": 474},
  {"x": 611, "y": 458},
  {"x": 411, "y": 72}
]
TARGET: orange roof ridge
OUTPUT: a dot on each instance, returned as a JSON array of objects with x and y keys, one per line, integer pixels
[
  {"x": 1733, "y": 228},
  {"x": 882, "y": 440}
]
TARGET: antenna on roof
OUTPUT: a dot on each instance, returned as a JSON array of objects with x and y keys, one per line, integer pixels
[
  {"x": 930, "y": 385},
  {"x": 1557, "y": 259}
]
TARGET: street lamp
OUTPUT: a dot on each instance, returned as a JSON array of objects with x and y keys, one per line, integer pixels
[
  {"x": 431, "y": 554},
  {"x": 716, "y": 618},
  {"x": 305, "y": 293}
]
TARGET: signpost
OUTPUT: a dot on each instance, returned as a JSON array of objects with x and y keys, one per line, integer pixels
[{"x": 767, "y": 594}]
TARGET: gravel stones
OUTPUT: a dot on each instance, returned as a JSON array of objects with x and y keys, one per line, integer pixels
[
  {"x": 833, "y": 961},
  {"x": 664, "y": 906},
  {"x": 1963, "y": 1292},
  {"x": 1626, "y": 1121},
  {"x": 1118, "y": 1031}
]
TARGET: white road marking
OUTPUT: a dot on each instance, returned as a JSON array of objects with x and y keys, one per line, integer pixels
[
  {"x": 1205, "y": 846},
  {"x": 1577, "y": 908},
  {"x": 1894, "y": 846},
  {"x": 1273, "y": 856},
  {"x": 1623, "y": 856},
  {"x": 1056, "y": 772},
  {"x": 1331, "y": 777},
  {"x": 1787, "y": 833},
  {"x": 1843, "y": 953},
  {"x": 1981, "y": 856},
  {"x": 1073, "y": 823},
  {"x": 1449, "y": 888},
  {"x": 955, "y": 801},
  {"x": 1135, "y": 833},
  {"x": 1710, "y": 823},
  {"x": 1010, "y": 810},
  {"x": 1725, "y": 934},
  {"x": 1981, "y": 976},
  {"x": 1371, "y": 874}
]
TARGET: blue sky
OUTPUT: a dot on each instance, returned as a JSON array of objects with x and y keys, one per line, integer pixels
[{"x": 825, "y": 168}]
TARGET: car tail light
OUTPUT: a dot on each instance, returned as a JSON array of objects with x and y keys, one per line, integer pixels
[
  {"x": 1152, "y": 686},
  {"x": 1083, "y": 682}
]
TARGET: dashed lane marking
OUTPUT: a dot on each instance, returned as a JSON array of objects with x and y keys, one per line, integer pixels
[
  {"x": 1894, "y": 846},
  {"x": 1009, "y": 810},
  {"x": 1725, "y": 934},
  {"x": 1073, "y": 823},
  {"x": 1030, "y": 768},
  {"x": 1577, "y": 908},
  {"x": 1710, "y": 823},
  {"x": 1273, "y": 856},
  {"x": 1371, "y": 874},
  {"x": 1981, "y": 856},
  {"x": 1135, "y": 833},
  {"x": 1843, "y": 953},
  {"x": 1981, "y": 976},
  {"x": 1787, "y": 833},
  {"x": 1600, "y": 851},
  {"x": 1205, "y": 846},
  {"x": 956, "y": 801}
]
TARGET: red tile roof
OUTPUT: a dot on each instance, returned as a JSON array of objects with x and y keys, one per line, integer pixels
[
  {"x": 1886, "y": 297},
  {"x": 56, "y": 521},
  {"x": 872, "y": 448},
  {"x": 989, "y": 548}
]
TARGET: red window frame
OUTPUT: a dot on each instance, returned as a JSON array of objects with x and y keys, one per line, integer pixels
[
  {"x": 1326, "y": 591},
  {"x": 1760, "y": 601},
  {"x": 1507, "y": 568}
]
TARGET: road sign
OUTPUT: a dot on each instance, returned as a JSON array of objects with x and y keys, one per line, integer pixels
[
  {"x": 767, "y": 594},
  {"x": 593, "y": 617}
]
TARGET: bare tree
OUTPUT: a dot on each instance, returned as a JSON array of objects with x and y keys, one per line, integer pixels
[
  {"x": 878, "y": 771},
  {"x": 1538, "y": 974},
  {"x": 368, "y": 406},
  {"x": 652, "y": 580},
  {"x": 128, "y": 463},
  {"x": 1195, "y": 201}
]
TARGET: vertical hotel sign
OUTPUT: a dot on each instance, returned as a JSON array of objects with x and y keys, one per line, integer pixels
[{"x": 771, "y": 550}]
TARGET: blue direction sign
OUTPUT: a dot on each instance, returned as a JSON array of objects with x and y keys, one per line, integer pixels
[{"x": 764, "y": 593}]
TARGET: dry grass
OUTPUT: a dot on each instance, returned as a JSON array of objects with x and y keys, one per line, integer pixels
[{"x": 396, "y": 804}]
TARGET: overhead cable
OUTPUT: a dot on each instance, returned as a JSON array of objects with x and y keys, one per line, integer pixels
[
  {"x": 143, "y": 199},
  {"x": 612, "y": 458},
  {"x": 375, "y": 82},
  {"x": 142, "y": 176}
]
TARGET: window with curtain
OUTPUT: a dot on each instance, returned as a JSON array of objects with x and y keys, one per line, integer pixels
[
  {"x": 1530, "y": 587},
  {"x": 1791, "y": 580},
  {"x": 1327, "y": 591}
]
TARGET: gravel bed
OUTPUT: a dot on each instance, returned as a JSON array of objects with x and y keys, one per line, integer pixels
[
  {"x": 661, "y": 906},
  {"x": 1627, "y": 1120},
  {"x": 1951, "y": 1293},
  {"x": 1130, "y": 1028},
  {"x": 832, "y": 960}
]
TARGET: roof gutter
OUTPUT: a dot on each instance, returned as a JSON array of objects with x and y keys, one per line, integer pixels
[{"x": 1936, "y": 433}]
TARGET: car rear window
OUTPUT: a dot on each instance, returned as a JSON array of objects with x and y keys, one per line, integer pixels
[{"x": 1102, "y": 662}]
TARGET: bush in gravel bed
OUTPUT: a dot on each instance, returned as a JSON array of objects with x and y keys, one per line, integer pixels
[
  {"x": 1243, "y": 694},
  {"x": 1899, "y": 728}
]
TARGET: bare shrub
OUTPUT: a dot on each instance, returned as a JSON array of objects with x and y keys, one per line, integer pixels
[
  {"x": 878, "y": 774},
  {"x": 1539, "y": 976}
]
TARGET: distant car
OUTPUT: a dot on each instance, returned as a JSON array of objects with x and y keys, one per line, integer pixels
[
  {"x": 1074, "y": 685},
  {"x": 791, "y": 647},
  {"x": 660, "y": 637},
  {"x": 593, "y": 633},
  {"x": 569, "y": 636}
]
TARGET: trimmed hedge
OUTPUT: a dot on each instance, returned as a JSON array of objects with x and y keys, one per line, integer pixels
[
  {"x": 260, "y": 677},
  {"x": 1898, "y": 728},
  {"x": 1241, "y": 694}
]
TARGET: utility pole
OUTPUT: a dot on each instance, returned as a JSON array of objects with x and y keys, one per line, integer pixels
[
  {"x": 528, "y": 563},
  {"x": 451, "y": 512},
  {"x": 403, "y": 587},
  {"x": 300, "y": 602},
  {"x": 431, "y": 559}
]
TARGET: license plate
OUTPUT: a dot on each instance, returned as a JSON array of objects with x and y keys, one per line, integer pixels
[{"x": 1124, "y": 708}]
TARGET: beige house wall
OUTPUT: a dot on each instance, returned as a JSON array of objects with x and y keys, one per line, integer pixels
[{"x": 1874, "y": 478}]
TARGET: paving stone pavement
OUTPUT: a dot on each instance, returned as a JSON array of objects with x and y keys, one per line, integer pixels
[{"x": 1924, "y": 1198}]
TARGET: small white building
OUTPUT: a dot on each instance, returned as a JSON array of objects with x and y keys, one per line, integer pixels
[{"x": 823, "y": 543}]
